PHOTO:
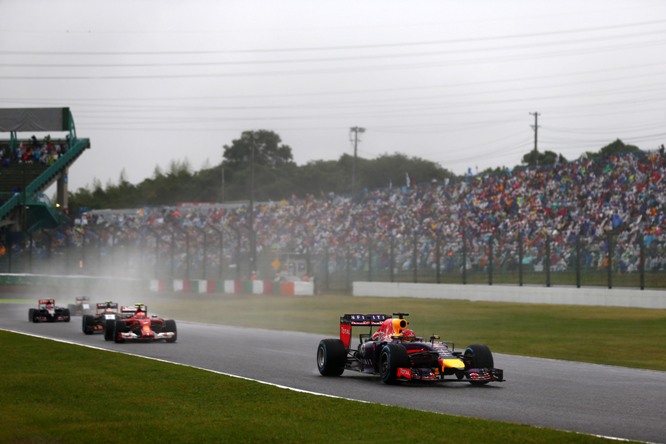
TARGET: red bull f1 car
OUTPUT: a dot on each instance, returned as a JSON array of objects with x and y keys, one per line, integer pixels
[
  {"x": 135, "y": 325},
  {"x": 104, "y": 311},
  {"x": 395, "y": 354},
  {"x": 47, "y": 311}
]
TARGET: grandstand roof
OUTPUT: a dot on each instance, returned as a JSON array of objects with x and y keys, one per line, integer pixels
[{"x": 35, "y": 119}]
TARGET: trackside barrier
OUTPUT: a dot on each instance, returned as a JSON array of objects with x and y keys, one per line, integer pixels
[
  {"x": 615, "y": 297},
  {"x": 98, "y": 285},
  {"x": 229, "y": 287},
  {"x": 233, "y": 287},
  {"x": 86, "y": 285}
]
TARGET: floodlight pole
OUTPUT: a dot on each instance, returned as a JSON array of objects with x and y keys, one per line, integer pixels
[{"x": 355, "y": 130}]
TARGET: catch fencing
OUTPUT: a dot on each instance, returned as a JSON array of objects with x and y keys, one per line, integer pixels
[{"x": 610, "y": 259}]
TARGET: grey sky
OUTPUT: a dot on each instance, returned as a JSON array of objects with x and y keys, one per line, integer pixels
[{"x": 150, "y": 82}]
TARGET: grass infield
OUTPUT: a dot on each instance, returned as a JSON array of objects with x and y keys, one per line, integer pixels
[{"x": 61, "y": 393}]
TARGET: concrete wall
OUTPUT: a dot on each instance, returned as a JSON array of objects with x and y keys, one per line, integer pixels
[{"x": 615, "y": 297}]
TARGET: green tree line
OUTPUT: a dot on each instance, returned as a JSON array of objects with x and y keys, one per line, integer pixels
[{"x": 258, "y": 164}]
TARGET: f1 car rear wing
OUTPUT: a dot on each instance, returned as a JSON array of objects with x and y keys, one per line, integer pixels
[
  {"x": 102, "y": 306},
  {"x": 348, "y": 321},
  {"x": 44, "y": 302},
  {"x": 132, "y": 309}
]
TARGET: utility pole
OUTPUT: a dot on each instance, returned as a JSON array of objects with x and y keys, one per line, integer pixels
[
  {"x": 253, "y": 236},
  {"x": 222, "y": 195},
  {"x": 355, "y": 130},
  {"x": 536, "y": 128}
]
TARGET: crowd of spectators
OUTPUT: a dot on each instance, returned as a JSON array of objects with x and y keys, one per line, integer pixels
[
  {"x": 578, "y": 209},
  {"x": 45, "y": 151}
]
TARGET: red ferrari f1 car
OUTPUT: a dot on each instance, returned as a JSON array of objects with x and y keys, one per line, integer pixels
[
  {"x": 396, "y": 354},
  {"x": 134, "y": 324},
  {"x": 47, "y": 311}
]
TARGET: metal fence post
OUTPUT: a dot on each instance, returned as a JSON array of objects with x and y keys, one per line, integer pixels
[
  {"x": 369, "y": 259},
  {"x": 392, "y": 259},
  {"x": 464, "y": 256},
  {"x": 520, "y": 258},
  {"x": 547, "y": 260},
  {"x": 438, "y": 259},
  {"x": 415, "y": 258},
  {"x": 490, "y": 259},
  {"x": 348, "y": 268},
  {"x": 641, "y": 261},
  {"x": 610, "y": 260},
  {"x": 578, "y": 271},
  {"x": 326, "y": 273}
]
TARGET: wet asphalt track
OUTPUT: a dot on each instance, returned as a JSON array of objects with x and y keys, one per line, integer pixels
[{"x": 593, "y": 399}]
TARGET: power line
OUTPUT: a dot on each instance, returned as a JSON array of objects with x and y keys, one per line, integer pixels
[{"x": 346, "y": 47}]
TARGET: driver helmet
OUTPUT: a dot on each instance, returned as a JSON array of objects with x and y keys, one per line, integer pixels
[{"x": 408, "y": 335}]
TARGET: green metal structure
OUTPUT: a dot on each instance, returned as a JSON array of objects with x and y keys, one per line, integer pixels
[{"x": 24, "y": 210}]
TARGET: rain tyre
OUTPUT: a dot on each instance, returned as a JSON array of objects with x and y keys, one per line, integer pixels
[
  {"x": 119, "y": 327},
  {"x": 479, "y": 356},
  {"x": 87, "y": 324},
  {"x": 109, "y": 329},
  {"x": 331, "y": 357},
  {"x": 170, "y": 326},
  {"x": 392, "y": 357}
]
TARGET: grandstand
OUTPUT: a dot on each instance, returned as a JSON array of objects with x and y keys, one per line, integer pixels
[{"x": 29, "y": 166}]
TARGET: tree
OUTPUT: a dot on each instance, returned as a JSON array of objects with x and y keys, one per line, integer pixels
[
  {"x": 268, "y": 151},
  {"x": 618, "y": 147},
  {"x": 534, "y": 158}
]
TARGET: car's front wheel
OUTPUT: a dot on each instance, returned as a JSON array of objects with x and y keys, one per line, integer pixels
[
  {"x": 392, "y": 357},
  {"x": 479, "y": 356},
  {"x": 170, "y": 326},
  {"x": 331, "y": 357}
]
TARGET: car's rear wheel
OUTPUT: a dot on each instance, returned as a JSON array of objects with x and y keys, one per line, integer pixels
[
  {"x": 331, "y": 357},
  {"x": 87, "y": 324},
  {"x": 66, "y": 315},
  {"x": 170, "y": 326},
  {"x": 392, "y": 357},
  {"x": 118, "y": 328},
  {"x": 109, "y": 329},
  {"x": 479, "y": 356},
  {"x": 31, "y": 315}
]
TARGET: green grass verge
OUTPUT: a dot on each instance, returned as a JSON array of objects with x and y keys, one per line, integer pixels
[
  {"x": 60, "y": 393},
  {"x": 629, "y": 337}
]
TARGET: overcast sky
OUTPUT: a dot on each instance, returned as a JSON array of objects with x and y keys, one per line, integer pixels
[{"x": 457, "y": 83}]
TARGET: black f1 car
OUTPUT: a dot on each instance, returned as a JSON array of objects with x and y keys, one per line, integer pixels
[
  {"x": 105, "y": 311},
  {"x": 47, "y": 311},
  {"x": 134, "y": 324},
  {"x": 395, "y": 354},
  {"x": 81, "y": 306}
]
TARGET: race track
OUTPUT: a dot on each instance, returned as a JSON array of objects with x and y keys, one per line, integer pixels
[{"x": 594, "y": 399}]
